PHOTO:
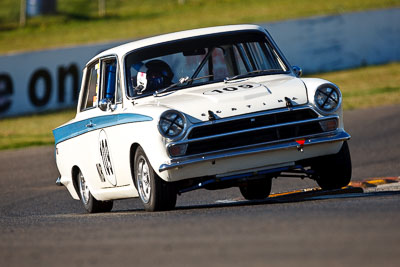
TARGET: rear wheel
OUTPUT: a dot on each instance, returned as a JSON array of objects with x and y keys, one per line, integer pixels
[
  {"x": 256, "y": 189},
  {"x": 155, "y": 193},
  {"x": 334, "y": 171},
  {"x": 91, "y": 204}
]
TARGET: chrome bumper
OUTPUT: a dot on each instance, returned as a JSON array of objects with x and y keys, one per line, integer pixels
[{"x": 337, "y": 136}]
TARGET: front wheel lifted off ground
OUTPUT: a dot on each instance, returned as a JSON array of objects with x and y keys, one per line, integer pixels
[
  {"x": 155, "y": 193},
  {"x": 334, "y": 171}
]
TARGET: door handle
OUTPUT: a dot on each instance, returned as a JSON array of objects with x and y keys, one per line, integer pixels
[{"x": 90, "y": 124}]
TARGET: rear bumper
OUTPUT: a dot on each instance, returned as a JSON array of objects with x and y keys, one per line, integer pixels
[{"x": 337, "y": 136}]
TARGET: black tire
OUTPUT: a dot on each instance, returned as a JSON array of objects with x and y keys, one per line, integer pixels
[
  {"x": 334, "y": 171},
  {"x": 256, "y": 189},
  {"x": 154, "y": 192},
  {"x": 91, "y": 204}
]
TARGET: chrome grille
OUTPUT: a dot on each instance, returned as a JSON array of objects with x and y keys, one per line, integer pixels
[
  {"x": 252, "y": 122},
  {"x": 254, "y": 129}
]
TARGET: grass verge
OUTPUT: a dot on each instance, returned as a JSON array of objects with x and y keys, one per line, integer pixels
[
  {"x": 362, "y": 88},
  {"x": 77, "y": 21},
  {"x": 367, "y": 86},
  {"x": 32, "y": 130}
]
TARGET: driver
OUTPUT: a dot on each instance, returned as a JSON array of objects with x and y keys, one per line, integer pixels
[{"x": 153, "y": 75}]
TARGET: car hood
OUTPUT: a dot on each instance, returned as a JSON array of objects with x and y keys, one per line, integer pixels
[{"x": 233, "y": 98}]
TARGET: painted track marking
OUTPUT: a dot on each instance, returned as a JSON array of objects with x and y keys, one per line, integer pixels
[{"x": 356, "y": 188}]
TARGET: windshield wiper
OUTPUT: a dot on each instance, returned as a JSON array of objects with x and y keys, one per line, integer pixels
[
  {"x": 250, "y": 73},
  {"x": 183, "y": 80}
]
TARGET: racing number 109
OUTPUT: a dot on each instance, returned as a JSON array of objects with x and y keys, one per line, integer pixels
[
  {"x": 232, "y": 88},
  {"x": 229, "y": 89}
]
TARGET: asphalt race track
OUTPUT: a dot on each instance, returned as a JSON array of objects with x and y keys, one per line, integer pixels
[{"x": 40, "y": 224}]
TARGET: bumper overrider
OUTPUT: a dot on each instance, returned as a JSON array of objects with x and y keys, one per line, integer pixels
[{"x": 283, "y": 129}]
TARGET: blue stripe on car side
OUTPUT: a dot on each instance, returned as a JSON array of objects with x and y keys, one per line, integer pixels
[{"x": 80, "y": 127}]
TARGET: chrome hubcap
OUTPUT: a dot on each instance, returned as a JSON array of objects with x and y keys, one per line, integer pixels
[
  {"x": 84, "y": 190},
  {"x": 143, "y": 180}
]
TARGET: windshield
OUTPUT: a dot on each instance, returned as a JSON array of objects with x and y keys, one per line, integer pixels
[{"x": 200, "y": 60}]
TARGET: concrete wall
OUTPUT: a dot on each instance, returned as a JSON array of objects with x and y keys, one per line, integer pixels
[{"x": 46, "y": 80}]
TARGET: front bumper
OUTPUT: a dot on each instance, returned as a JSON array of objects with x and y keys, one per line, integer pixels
[{"x": 337, "y": 136}]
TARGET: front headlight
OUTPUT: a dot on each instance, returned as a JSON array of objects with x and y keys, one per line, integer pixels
[
  {"x": 172, "y": 124},
  {"x": 327, "y": 98}
]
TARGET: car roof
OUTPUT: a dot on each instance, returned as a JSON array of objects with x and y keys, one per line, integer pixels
[{"x": 125, "y": 48}]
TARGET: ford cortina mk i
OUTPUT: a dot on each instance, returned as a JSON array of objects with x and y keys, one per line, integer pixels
[{"x": 209, "y": 108}]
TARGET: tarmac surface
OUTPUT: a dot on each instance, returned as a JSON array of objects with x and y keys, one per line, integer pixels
[{"x": 41, "y": 225}]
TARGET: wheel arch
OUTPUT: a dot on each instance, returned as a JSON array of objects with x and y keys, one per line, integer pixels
[
  {"x": 132, "y": 153},
  {"x": 74, "y": 174}
]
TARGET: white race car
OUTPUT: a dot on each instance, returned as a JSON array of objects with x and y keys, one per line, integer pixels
[{"x": 207, "y": 108}]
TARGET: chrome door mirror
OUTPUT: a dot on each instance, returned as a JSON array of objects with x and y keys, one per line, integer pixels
[
  {"x": 297, "y": 71},
  {"x": 105, "y": 104}
]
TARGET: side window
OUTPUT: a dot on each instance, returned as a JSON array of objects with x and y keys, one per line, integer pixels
[
  {"x": 89, "y": 99},
  {"x": 111, "y": 86}
]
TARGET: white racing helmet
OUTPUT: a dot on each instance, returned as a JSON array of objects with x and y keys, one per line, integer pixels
[{"x": 153, "y": 75}]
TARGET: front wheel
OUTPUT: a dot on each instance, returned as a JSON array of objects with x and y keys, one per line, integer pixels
[
  {"x": 91, "y": 204},
  {"x": 334, "y": 171},
  {"x": 155, "y": 193},
  {"x": 256, "y": 189}
]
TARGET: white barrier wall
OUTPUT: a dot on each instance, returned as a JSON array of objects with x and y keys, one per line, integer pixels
[
  {"x": 343, "y": 41},
  {"x": 44, "y": 80},
  {"x": 47, "y": 80}
]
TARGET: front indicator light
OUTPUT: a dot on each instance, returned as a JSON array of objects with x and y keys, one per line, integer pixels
[
  {"x": 329, "y": 125},
  {"x": 177, "y": 150}
]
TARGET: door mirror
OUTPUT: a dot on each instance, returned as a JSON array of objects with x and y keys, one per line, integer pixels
[
  {"x": 297, "y": 71},
  {"x": 105, "y": 104}
]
